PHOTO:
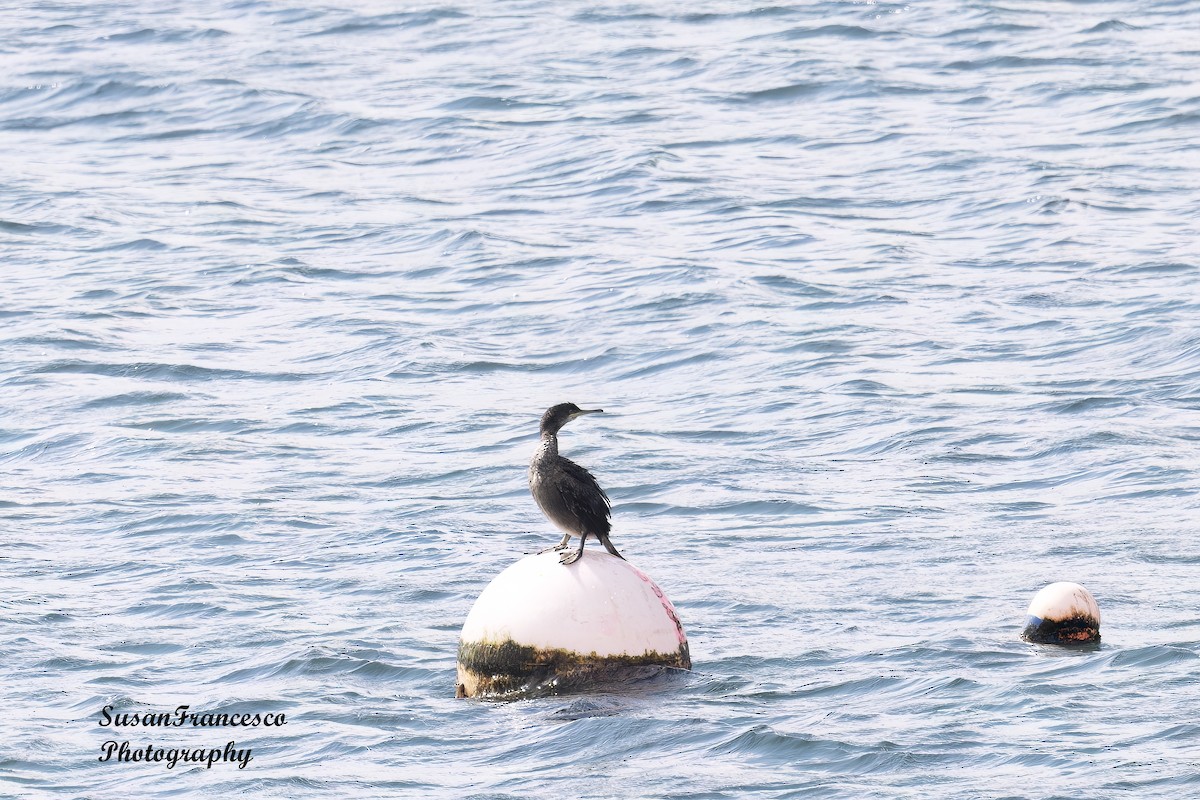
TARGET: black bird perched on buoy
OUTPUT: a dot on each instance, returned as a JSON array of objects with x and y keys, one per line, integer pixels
[{"x": 565, "y": 492}]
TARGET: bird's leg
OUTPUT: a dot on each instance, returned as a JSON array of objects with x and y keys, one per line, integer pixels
[
  {"x": 571, "y": 558},
  {"x": 609, "y": 547},
  {"x": 560, "y": 546}
]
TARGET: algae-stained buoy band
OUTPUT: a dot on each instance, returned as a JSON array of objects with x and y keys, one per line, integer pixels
[
  {"x": 538, "y": 627},
  {"x": 1063, "y": 613}
]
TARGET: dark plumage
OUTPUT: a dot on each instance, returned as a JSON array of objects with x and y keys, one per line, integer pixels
[{"x": 567, "y": 493}]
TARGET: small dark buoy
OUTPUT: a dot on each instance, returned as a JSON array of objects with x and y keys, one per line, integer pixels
[{"x": 1063, "y": 613}]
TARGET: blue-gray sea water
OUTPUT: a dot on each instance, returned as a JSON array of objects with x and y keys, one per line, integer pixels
[{"x": 892, "y": 308}]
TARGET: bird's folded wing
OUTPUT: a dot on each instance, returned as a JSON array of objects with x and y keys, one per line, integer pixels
[{"x": 580, "y": 493}]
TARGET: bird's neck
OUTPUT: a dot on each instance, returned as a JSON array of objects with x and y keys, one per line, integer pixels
[{"x": 549, "y": 445}]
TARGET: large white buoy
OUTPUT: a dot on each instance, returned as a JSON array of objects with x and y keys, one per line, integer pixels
[
  {"x": 1063, "y": 613},
  {"x": 542, "y": 626}
]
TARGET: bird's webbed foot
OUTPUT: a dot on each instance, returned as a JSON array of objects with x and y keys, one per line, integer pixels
[
  {"x": 571, "y": 558},
  {"x": 560, "y": 546}
]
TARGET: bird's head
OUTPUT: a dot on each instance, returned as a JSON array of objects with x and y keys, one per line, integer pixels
[{"x": 559, "y": 415}]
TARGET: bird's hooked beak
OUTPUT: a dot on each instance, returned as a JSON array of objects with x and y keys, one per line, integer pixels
[{"x": 583, "y": 411}]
